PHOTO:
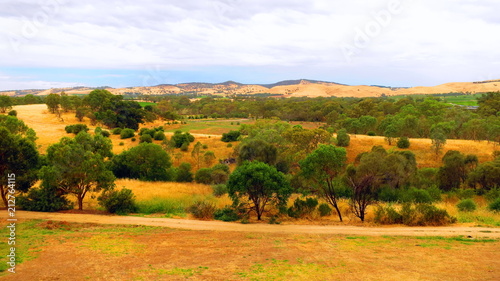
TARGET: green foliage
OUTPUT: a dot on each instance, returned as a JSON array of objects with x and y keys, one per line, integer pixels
[
  {"x": 403, "y": 142},
  {"x": 76, "y": 128},
  {"x": 302, "y": 208},
  {"x": 495, "y": 205},
  {"x": 145, "y": 139},
  {"x": 343, "y": 139},
  {"x": 184, "y": 173},
  {"x": 6, "y": 103},
  {"x": 204, "y": 176},
  {"x": 159, "y": 135},
  {"x": 147, "y": 161},
  {"x": 455, "y": 169},
  {"x": 409, "y": 195},
  {"x": 492, "y": 194},
  {"x": 202, "y": 210},
  {"x": 261, "y": 184},
  {"x": 219, "y": 190},
  {"x": 44, "y": 199},
  {"x": 117, "y": 131},
  {"x": 53, "y": 101},
  {"x": 257, "y": 150},
  {"x": 161, "y": 205},
  {"x": 185, "y": 147},
  {"x": 12, "y": 113},
  {"x": 466, "y": 205},
  {"x": 465, "y": 193},
  {"x": 387, "y": 215},
  {"x": 226, "y": 214},
  {"x": 230, "y": 136},
  {"x": 425, "y": 215},
  {"x": 127, "y": 133},
  {"x": 181, "y": 139},
  {"x": 486, "y": 175},
  {"x": 121, "y": 202},
  {"x": 324, "y": 210}
]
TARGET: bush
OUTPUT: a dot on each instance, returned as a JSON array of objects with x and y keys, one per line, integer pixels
[
  {"x": 403, "y": 142},
  {"x": 76, "y": 128},
  {"x": 159, "y": 135},
  {"x": 146, "y": 139},
  {"x": 324, "y": 210},
  {"x": 127, "y": 133},
  {"x": 121, "y": 143},
  {"x": 230, "y": 136},
  {"x": 495, "y": 205},
  {"x": 205, "y": 146},
  {"x": 133, "y": 139},
  {"x": 371, "y": 133},
  {"x": 117, "y": 131},
  {"x": 105, "y": 133},
  {"x": 229, "y": 145},
  {"x": 202, "y": 210},
  {"x": 203, "y": 175},
  {"x": 492, "y": 194},
  {"x": 466, "y": 205},
  {"x": 121, "y": 202},
  {"x": 420, "y": 196},
  {"x": 12, "y": 113},
  {"x": 343, "y": 139},
  {"x": 387, "y": 215},
  {"x": 425, "y": 214},
  {"x": 219, "y": 190},
  {"x": 226, "y": 214},
  {"x": 388, "y": 194},
  {"x": 184, "y": 173},
  {"x": 44, "y": 199},
  {"x": 302, "y": 208},
  {"x": 465, "y": 193},
  {"x": 185, "y": 146}
]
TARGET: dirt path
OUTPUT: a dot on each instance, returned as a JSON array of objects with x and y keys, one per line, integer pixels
[{"x": 473, "y": 232}]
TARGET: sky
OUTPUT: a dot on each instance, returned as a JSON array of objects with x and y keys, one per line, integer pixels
[{"x": 401, "y": 43}]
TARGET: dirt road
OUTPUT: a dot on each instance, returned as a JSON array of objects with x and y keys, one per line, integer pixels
[{"x": 473, "y": 232}]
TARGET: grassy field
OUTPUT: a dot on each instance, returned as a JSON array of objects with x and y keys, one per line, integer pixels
[
  {"x": 144, "y": 103},
  {"x": 466, "y": 100},
  {"x": 103, "y": 252}
]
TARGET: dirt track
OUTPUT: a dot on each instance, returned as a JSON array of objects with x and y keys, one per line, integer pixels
[{"x": 473, "y": 232}]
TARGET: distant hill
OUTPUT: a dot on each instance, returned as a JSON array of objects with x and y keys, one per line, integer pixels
[{"x": 287, "y": 88}]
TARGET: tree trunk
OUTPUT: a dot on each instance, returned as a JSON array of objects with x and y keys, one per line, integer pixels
[
  {"x": 338, "y": 211},
  {"x": 4, "y": 197},
  {"x": 80, "y": 202}
]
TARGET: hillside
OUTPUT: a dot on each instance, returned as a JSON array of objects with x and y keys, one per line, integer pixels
[{"x": 288, "y": 88}]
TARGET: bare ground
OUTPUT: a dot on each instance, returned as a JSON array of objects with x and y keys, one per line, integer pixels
[{"x": 266, "y": 228}]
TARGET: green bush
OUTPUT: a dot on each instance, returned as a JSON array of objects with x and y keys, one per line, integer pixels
[
  {"x": 121, "y": 202},
  {"x": 202, "y": 210},
  {"x": 184, "y": 173},
  {"x": 371, "y": 133},
  {"x": 185, "y": 146},
  {"x": 121, "y": 143},
  {"x": 230, "y": 136},
  {"x": 388, "y": 194},
  {"x": 127, "y": 133},
  {"x": 343, "y": 139},
  {"x": 492, "y": 194},
  {"x": 226, "y": 214},
  {"x": 495, "y": 205},
  {"x": 205, "y": 146},
  {"x": 133, "y": 139},
  {"x": 117, "y": 131},
  {"x": 12, "y": 113},
  {"x": 145, "y": 139},
  {"x": 302, "y": 208},
  {"x": 44, "y": 199},
  {"x": 387, "y": 215},
  {"x": 105, "y": 133},
  {"x": 403, "y": 142},
  {"x": 465, "y": 193},
  {"x": 324, "y": 209},
  {"x": 421, "y": 196},
  {"x": 159, "y": 135},
  {"x": 219, "y": 190},
  {"x": 425, "y": 214},
  {"x": 229, "y": 145},
  {"x": 203, "y": 175},
  {"x": 76, "y": 128},
  {"x": 466, "y": 205}
]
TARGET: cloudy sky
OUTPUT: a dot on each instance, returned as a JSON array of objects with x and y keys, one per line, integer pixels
[{"x": 55, "y": 43}]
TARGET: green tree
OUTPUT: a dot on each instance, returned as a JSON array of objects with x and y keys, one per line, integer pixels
[
  {"x": 257, "y": 150},
  {"x": 260, "y": 184},
  {"x": 322, "y": 167},
  {"x": 486, "y": 175},
  {"x": 53, "y": 101},
  {"x": 147, "y": 161},
  {"x": 184, "y": 173},
  {"x": 5, "y": 103},
  {"x": 343, "y": 138},
  {"x": 197, "y": 154},
  {"x": 77, "y": 167},
  {"x": 390, "y": 133},
  {"x": 438, "y": 139},
  {"x": 455, "y": 169},
  {"x": 209, "y": 158}
]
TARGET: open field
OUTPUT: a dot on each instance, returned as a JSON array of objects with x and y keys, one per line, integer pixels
[
  {"x": 49, "y": 130},
  {"x": 119, "y": 252}
]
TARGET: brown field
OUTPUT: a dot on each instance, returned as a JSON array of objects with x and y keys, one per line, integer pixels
[{"x": 87, "y": 251}]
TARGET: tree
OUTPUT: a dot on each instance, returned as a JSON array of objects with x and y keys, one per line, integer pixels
[
  {"x": 230, "y": 136},
  {"x": 486, "y": 175},
  {"x": 455, "y": 169},
  {"x": 53, "y": 101},
  {"x": 77, "y": 167},
  {"x": 209, "y": 158},
  {"x": 363, "y": 190},
  {"x": 257, "y": 150},
  {"x": 343, "y": 138},
  {"x": 390, "y": 133},
  {"x": 184, "y": 173},
  {"x": 438, "y": 139},
  {"x": 261, "y": 184},
  {"x": 403, "y": 142},
  {"x": 197, "y": 153},
  {"x": 18, "y": 157},
  {"x": 147, "y": 161},
  {"x": 5, "y": 103},
  {"x": 322, "y": 167}
]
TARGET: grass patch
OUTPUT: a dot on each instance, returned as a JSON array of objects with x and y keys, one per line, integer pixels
[
  {"x": 285, "y": 270},
  {"x": 184, "y": 272},
  {"x": 144, "y": 103},
  {"x": 173, "y": 207}
]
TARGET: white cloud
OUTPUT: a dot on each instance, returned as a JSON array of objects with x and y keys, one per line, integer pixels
[{"x": 439, "y": 39}]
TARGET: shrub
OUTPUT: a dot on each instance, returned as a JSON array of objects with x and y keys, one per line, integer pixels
[
  {"x": 302, "y": 208},
  {"x": 121, "y": 202},
  {"x": 44, "y": 199},
  {"x": 12, "y": 113},
  {"x": 159, "y": 135},
  {"x": 403, "y": 142},
  {"x": 202, "y": 210},
  {"x": 465, "y": 193},
  {"x": 219, "y": 190},
  {"x": 105, "y": 133},
  {"x": 145, "y": 138},
  {"x": 324, "y": 210},
  {"x": 230, "y": 136},
  {"x": 205, "y": 146},
  {"x": 184, "y": 173},
  {"x": 76, "y": 128},
  {"x": 226, "y": 214},
  {"x": 371, "y": 133},
  {"x": 117, "y": 131},
  {"x": 466, "y": 205},
  {"x": 388, "y": 194},
  {"x": 425, "y": 214},
  {"x": 185, "y": 146},
  {"x": 492, "y": 194},
  {"x": 343, "y": 139},
  {"x": 229, "y": 145},
  {"x": 121, "y": 143},
  {"x": 421, "y": 196},
  {"x": 387, "y": 215},
  {"x": 495, "y": 205},
  {"x": 133, "y": 139},
  {"x": 203, "y": 175},
  {"x": 127, "y": 133}
]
